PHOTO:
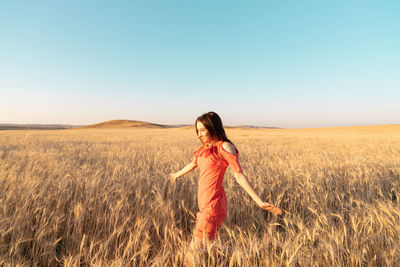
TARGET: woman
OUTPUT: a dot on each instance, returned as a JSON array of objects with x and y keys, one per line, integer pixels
[{"x": 212, "y": 159}]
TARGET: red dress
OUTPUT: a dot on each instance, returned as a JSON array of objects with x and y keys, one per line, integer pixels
[{"x": 212, "y": 163}]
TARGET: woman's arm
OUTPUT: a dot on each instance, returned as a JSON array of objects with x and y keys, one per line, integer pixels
[
  {"x": 188, "y": 168},
  {"x": 244, "y": 182}
]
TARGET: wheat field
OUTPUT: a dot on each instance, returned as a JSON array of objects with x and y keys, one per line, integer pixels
[{"x": 91, "y": 197}]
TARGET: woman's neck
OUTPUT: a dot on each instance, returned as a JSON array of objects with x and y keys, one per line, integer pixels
[{"x": 210, "y": 144}]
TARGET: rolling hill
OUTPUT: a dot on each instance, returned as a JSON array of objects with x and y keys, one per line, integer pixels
[{"x": 125, "y": 124}]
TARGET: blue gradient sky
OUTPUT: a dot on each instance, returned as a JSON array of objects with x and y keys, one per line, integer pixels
[{"x": 272, "y": 63}]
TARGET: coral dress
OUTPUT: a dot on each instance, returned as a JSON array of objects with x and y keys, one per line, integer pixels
[{"x": 212, "y": 163}]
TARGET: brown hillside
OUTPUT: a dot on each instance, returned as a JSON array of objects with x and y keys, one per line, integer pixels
[{"x": 124, "y": 124}]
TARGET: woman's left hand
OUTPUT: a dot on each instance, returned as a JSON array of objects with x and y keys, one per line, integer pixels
[
  {"x": 271, "y": 208},
  {"x": 173, "y": 177}
]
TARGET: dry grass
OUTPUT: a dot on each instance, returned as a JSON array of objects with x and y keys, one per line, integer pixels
[{"x": 102, "y": 198}]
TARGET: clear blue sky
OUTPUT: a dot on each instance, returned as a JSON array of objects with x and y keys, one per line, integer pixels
[{"x": 272, "y": 63}]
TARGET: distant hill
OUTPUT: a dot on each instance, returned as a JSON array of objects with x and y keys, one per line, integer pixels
[{"x": 125, "y": 124}]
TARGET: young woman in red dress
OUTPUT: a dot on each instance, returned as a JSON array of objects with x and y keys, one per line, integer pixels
[{"x": 212, "y": 159}]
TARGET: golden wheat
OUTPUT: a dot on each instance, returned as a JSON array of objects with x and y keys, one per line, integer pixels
[{"x": 102, "y": 198}]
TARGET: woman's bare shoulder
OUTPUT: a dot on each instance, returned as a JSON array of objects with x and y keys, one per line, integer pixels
[{"x": 228, "y": 147}]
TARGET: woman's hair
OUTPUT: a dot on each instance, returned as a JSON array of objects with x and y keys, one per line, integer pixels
[{"x": 213, "y": 123}]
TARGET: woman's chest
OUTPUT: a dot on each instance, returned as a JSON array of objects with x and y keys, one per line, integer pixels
[{"x": 210, "y": 163}]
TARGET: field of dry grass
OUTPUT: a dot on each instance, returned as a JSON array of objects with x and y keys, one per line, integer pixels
[{"x": 102, "y": 198}]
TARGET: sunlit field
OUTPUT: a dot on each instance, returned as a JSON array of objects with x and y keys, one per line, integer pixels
[{"x": 94, "y": 197}]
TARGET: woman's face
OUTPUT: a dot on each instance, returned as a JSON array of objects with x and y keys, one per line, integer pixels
[{"x": 203, "y": 133}]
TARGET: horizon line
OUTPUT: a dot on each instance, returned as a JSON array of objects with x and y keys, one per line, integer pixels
[{"x": 177, "y": 125}]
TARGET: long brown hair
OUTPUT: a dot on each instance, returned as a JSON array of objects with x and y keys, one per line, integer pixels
[{"x": 213, "y": 123}]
